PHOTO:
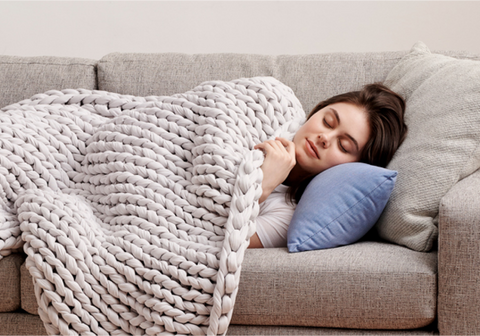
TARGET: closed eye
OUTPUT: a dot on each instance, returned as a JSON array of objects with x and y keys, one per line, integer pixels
[
  {"x": 326, "y": 123},
  {"x": 341, "y": 147}
]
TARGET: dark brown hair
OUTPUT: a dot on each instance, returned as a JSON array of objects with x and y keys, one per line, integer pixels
[{"x": 385, "y": 111}]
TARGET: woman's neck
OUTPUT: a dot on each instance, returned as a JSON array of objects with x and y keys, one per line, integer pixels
[{"x": 297, "y": 175}]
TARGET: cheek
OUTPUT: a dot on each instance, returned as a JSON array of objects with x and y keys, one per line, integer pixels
[
  {"x": 337, "y": 158},
  {"x": 312, "y": 125}
]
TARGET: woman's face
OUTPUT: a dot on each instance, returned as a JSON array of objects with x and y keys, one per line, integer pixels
[{"x": 335, "y": 134}]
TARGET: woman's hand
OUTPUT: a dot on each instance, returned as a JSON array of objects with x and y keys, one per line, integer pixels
[{"x": 279, "y": 161}]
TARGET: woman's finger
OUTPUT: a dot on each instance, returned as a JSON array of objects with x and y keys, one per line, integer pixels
[
  {"x": 279, "y": 144},
  {"x": 283, "y": 141},
  {"x": 289, "y": 145},
  {"x": 261, "y": 145}
]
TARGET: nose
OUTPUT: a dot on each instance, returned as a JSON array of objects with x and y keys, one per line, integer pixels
[{"x": 324, "y": 140}]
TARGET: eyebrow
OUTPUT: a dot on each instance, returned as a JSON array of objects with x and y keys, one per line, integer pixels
[{"x": 335, "y": 113}]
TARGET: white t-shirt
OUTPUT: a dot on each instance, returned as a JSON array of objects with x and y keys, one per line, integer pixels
[{"x": 274, "y": 217}]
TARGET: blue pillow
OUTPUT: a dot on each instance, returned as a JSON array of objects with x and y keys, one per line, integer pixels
[{"x": 339, "y": 206}]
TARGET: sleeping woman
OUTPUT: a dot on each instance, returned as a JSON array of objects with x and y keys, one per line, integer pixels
[{"x": 359, "y": 126}]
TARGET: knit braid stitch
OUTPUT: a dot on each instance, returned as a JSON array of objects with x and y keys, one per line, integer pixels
[{"x": 135, "y": 212}]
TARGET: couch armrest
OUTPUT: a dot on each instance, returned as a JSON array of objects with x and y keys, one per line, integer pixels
[{"x": 459, "y": 259}]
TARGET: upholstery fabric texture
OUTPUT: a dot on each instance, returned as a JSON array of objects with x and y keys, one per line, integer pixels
[
  {"x": 309, "y": 76},
  {"x": 442, "y": 145},
  {"x": 28, "y": 298},
  {"x": 339, "y": 206},
  {"x": 136, "y": 212},
  {"x": 251, "y": 273},
  {"x": 244, "y": 330},
  {"x": 22, "y": 77},
  {"x": 367, "y": 285},
  {"x": 459, "y": 227},
  {"x": 10, "y": 282},
  {"x": 21, "y": 324},
  {"x": 28, "y": 325}
]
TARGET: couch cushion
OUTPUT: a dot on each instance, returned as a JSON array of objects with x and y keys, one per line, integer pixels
[
  {"x": 22, "y": 77},
  {"x": 367, "y": 285},
  {"x": 21, "y": 324},
  {"x": 29, "y": 301},
  {"x": 317, "y": 77},
  {"x": 170, "y": 73},
  {"x": 10, "y": 282},
  {"x": 442, "y": 146},
  {"x": 245, "y": 330},
  {"x": 312, "y": 77}
]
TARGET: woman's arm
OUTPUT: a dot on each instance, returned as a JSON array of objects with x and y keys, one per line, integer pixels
[
  {"x": 279, "y": 161},
  {"x": 255, "y": 242},
  {"x": 273, "y": 220}
]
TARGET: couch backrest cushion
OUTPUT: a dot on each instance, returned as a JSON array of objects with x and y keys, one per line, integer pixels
[
  {"x": 312, "y": 77},
  {"x": 170, "y": 73},
  {"x": 442, "y": 146},
  {"x": 22, "y": 77}
]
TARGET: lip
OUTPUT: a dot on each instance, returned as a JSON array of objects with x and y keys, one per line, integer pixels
[{"x": 312, "y": 149}]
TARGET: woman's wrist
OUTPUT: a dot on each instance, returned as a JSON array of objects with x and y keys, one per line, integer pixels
[{"x": 266, "y": 191}]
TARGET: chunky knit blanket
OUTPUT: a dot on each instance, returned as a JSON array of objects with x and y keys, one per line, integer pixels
[{"x": 135, "y": 212}]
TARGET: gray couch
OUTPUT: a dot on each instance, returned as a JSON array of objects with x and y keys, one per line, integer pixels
[{"x": 371, "y": 287}]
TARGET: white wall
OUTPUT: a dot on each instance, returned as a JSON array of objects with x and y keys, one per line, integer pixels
[{"x": 93, "y": 29}]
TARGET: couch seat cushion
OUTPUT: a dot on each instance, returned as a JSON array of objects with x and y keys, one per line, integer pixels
[
  {"x": 10, "y": 282},
  {"x": 367, "y": 285},
  {"x": 21, "y": 324},
  {"x": 29, "y": 301}
]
